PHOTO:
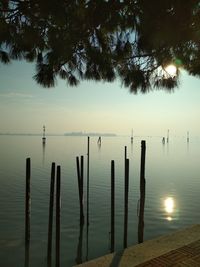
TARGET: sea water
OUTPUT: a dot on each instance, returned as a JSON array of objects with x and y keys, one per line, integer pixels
[{"x": 171, "y": 199}]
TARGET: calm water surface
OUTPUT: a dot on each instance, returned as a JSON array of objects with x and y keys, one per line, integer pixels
[{"x": 172, "y": 193}]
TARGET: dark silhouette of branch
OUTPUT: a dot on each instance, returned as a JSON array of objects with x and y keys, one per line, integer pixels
[{"x": 103, "y": 40}]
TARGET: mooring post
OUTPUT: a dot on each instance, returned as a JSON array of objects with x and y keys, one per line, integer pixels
[
  {"x": 142, "y": 193},
  {"x": 142, "y": 166},
  {"x": 28, "y": 201},
  {"x": 88, "y": 172},
  {"x": 58, "y": 207},
  {"x": 80, "y": 172},
  {"x": 51, "y": 203},
  {"x": 81, "y": 184},
  {"x": 125, "y": 154},
  {"x": 126, "y": 189},
  {"x": 27, "y": 211},
  {"x": 112, "y": 206}
]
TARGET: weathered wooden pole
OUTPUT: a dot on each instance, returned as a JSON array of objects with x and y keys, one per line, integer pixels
[
  {"x": 125, "y": 154},
  {"x": 88, "y": 174},
  {"x": 88, "y": 187},
  {"x": 58, "y": 207},
  {"x": 142, "y": 193},
  {"x": 81, "y": 183},
  {"x": 142, "y": 166},
  {"x": 112, "y": 206},
  {"x": 51, "y": 203},
  {"x": 28, "y": 201},
  {"x": 27, "y": 211},
  {"x": 80, "y": 172},
  {"x": 126, "y": 189}
]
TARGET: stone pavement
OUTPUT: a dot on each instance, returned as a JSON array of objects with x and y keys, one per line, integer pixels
[{"x": 185, "y": 256}]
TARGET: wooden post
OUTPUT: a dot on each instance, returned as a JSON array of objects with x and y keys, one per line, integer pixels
[
  {"x": 81, "y": 183},
  {"x": 142, "y": 166},
  {"x": 28, "y": 201},
  {"x": 80, "y": 172},
  {"x": 126, "y": 189},
  {"x": 51, "y": 203},
  {"x": 88, "y": 172},
  {"x": 58, "y": 207},
  {"x": 142, "y": 193},
  {"x": 27, "y": 211},
  {"x": 112, "y": 206},
  {"x": 125, "y": 154}
]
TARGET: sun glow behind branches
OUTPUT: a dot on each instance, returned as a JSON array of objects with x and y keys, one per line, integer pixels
[{"x": 171, "y": 70}]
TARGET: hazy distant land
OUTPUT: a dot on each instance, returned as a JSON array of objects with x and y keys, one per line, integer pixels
[
  {"x": 89, "y": 134},
  {"x": 65, "y": 134}
]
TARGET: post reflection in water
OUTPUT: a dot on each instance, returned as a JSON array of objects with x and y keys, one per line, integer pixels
[
  {"x": 169, "y": 204},
  {"x": 142, "y": 194},
  {"x": 80, "y": 245},
  {"x": 99, "y": 146},
  {"x": 141, "y": 213},
  {"x": 188, "y": 147},
  {"x": 43, "y": 152},
  {"x": 27, "y": 249}
]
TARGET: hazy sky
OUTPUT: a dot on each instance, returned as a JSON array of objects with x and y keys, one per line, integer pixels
[{"x": 94, "y": 107}]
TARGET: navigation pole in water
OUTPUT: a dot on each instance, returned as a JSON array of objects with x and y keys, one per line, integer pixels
[
  {"x": 131, "y": 136},
  {"x": 168, "y": 136},
  {"x": 44, "y": 137}
]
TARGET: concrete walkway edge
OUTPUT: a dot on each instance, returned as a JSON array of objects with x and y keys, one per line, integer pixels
[{"x": 148, "y": 250}]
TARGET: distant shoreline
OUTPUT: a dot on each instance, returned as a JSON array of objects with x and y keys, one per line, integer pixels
[
  {"x": 89, "y": 134},
  {"x": 65, "y": 134}
]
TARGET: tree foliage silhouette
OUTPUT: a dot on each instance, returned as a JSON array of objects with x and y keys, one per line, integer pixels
[{"x": 133, "y": 40}]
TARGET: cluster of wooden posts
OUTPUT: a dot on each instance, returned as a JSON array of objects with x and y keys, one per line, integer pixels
[{"x": 56, "y": 179}]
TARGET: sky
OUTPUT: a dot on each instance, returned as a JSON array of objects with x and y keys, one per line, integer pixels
[{"x": 94, "y": 106}]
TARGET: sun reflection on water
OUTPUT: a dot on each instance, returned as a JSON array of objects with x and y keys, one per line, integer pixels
[{"x": 169, "y": 204}]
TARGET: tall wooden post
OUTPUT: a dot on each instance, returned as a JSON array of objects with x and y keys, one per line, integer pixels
[
  {"x": 112, "y": 206},
  {"x": 88, "y": 172},
  {"x": 80, "y": 172},
  {"x": 58, "y": 207},
  {"x": 28, "y": 201},
  {"x": 27, "y": 211},
  {"x": 88, "y": 187},
  {"x": 126, "y": 189},
  {"x": 142, "y": 193},
  {"x": 51, "y": 203}
]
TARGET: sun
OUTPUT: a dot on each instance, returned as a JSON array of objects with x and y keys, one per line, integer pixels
[{"x": 171, "y": 70}]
